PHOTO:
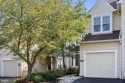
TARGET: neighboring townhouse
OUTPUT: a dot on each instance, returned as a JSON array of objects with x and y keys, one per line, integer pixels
[
  {"x": 102, "y": 51},
  {"x": 70, "y": 61},
  {"x": 10, "y": 66}
]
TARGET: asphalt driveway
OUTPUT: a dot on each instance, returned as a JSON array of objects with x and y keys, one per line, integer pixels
[{"x": 98, "y": 80}]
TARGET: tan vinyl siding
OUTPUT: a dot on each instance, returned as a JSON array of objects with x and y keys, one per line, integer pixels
[
  {"x": 123, "y": 37},
  {"x": 101, "y": 8},
  {"x": 116, "y": 21},
  {"x": 99, "y": 47},
  {"x": 54, "y": 66},
  {"x": 89, "y": 27},
  {"x": 40, "y": 67}
]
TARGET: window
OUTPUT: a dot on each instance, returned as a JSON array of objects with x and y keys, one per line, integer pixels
[
  {"x": 77, "y": 59},
  {"x": 97, "y": 23},
  {"x": 101, "y": 24},
  {"x": 106, "y": 23}
]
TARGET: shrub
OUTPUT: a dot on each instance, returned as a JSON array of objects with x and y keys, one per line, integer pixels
[
  {"x": 71, "y": 70},
  {"x": 77, "y": 71},
  {"x": 19, "y": 80},
  {"x": 50, "y": 75},
  {"x": 37, "y": 78},
  {"x": 47, "y": 76},
  {"x": 59, "y": 73}
]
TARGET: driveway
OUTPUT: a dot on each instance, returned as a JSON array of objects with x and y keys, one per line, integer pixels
[{"x": 98, "y": 80}]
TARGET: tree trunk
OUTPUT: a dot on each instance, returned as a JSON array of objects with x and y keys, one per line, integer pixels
[
  {"x": 64, "y": 66},
  {"x": 29, "y": 72}
]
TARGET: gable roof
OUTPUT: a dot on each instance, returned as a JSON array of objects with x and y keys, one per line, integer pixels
[
  {"x": 112, "y": 5},
  {"x": 110, "y": 36}
]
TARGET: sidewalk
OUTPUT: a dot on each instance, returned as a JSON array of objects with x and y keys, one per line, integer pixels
[{"x": 6, "y": 80}]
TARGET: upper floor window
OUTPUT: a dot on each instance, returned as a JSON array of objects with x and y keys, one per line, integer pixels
[
  {"x": 97, "y": 24},
  {"x": 102, "y": 24},
  {"x": 106, "y": 23}
]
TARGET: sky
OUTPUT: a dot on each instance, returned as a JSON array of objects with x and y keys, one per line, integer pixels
[{"x": 88, "y": 4}]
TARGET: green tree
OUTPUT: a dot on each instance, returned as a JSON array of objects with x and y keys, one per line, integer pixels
[{"x": 29, "y": 27}]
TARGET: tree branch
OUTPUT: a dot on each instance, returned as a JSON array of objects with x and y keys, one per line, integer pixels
[{"x": 37, "y": 54}]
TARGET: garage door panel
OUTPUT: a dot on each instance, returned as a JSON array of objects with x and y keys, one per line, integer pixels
[
  {"x": 100, "y": 65},
  {"x": 10, "y": 68}
]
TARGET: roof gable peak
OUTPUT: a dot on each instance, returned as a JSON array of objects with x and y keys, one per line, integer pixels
[{"x": 106, "y": 2}]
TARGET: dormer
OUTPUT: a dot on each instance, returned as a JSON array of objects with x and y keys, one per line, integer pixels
[
  {"x": 101, "y": 18},
  {"x": 105, "y": 22}
]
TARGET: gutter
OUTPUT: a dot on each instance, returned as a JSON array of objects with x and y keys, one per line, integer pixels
[{"x": 98, "y": 41}]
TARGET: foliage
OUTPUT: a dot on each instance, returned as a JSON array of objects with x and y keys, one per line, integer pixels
[
  {"x": 67, "y": 51},
  {"x": 49, "y": 75},
  {"x": 19, "y": 80},
  {"x": 72, "y": 70},
  {"x": 37, "y": 78},
  {"x": 30, "y": 28},
  {"x": 47, "y": 59}
]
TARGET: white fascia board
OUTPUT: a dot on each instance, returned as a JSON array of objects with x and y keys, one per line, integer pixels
[
  {"x": 94, "y": 7},
  {"x": 113, "y": 40},
  {"x": 112, "y": 9}
]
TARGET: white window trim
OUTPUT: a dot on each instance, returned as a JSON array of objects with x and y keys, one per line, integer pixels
[
  {"x": 101, "y": 16},
  {"x": 101, "y": 51}
]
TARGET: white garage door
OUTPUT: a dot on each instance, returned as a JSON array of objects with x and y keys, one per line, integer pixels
[
  {"x": 10, "y": 68},
  {"x": 100, "y": 65}
]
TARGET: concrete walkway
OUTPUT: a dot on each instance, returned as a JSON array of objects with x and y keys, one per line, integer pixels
[
  {"x": 6, "y": 80},
  {"x": 68, "y": 79}
]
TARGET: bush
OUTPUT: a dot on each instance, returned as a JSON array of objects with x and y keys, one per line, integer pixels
[
  {"x": 51, "y": 75},
  {"x": 59, "y": 73},
  {"x": 71, "y": 70},
  {"x": 77, "y": 71},
  {"x": 48, "y": 76},
  {"x": 37, "y": 78}
]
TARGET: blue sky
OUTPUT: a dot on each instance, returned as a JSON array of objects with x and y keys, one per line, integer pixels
[{"x": 89, "y": 3}]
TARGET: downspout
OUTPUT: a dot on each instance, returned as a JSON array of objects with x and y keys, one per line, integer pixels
[{"x": 120, "y": 37}]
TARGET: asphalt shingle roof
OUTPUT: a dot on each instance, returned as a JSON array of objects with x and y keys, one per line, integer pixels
[
  {"x": 114, "y": 4},
  {"x": 110, "y": 36}
]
